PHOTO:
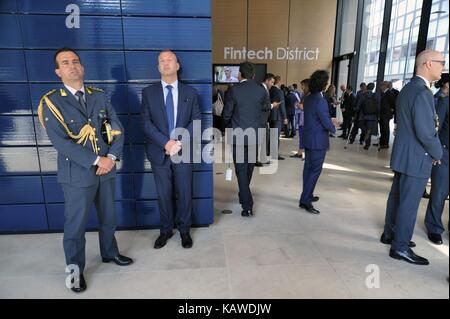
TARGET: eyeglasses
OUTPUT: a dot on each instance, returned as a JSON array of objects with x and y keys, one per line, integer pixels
[{"x": 439, "y": 61}]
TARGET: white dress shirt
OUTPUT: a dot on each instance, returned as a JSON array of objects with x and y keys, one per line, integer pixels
[{"x": 174, "y": 96}]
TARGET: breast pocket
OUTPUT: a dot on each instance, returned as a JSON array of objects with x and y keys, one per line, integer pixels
[{"x": 63, "y": 169}]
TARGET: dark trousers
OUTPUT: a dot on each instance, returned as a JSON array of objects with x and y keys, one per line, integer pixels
[
  {"x": 277, "y": 126},
  {"x": 438, "y": 194},
  {"x": 356, "y": 126},
  {"x": 346, "y": 125},
  {"x": 290, "y": 128},
  {"x": 174, "y": 188},
  {"x": 311, "y": 171},
  {"x": 384, "y": 131},
  {"x": 78, "y": 203},
  {"x": 244, "y": 166},
  {"x": 401, "y": 209}
]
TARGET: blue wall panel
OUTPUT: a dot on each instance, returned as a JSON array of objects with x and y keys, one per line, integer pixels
[
  {"x": 14, "y": 99},
  {"x": 193, "y": 8},
  {"x": 21, "y": 190},
  {"x": 143, "y": 66},
  {"x": 41, "y": 32},
  {"x": 8, "y": 6},
  {"x": 10, "y": 37},
  {"x": 118, "y": 42},
  {"x": 99, "y": 66},
  {"x": 161, "y": 33},
  {"x": 103, "y": 7},
  {"x": 22, "y": 218},
  {"x": 12, "y": 66},
  {"x": 19, "y": 161}
]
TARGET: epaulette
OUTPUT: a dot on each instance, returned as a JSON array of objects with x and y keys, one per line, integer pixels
[
  {"x": 91, "y": 89},
  {"x": 41, "y": 106}
]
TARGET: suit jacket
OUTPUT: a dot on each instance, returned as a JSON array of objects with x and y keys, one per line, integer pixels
[
  {"x": 279, "y": 113},
  {"x": 75, "y": 161},
  {"x": 154, "y": 119},
  {"x": 318, "y": 123},
  {"x": 442, "y": 112},
  {"x": 245, "y": 106},
  {"x": 291, "y": 100},
  {"x": 387, "y": 105},
  {"x": 266, "y": 113},
  {"x": 416, "y": 142}
]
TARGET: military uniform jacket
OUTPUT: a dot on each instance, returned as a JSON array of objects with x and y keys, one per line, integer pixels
[
  {"x": 416, "y": 143},
  {"x": 75, "y": 161}
]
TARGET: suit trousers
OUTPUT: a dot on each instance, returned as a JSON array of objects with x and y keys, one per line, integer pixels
[
  {"x": 244, "y": 167},
  {"x": 174, "y": 188},
  {"x": 277, "y": 126},
  {"x": 401, "y": 209},
  {"x": 311, "y": 171},
  {"x": 438, "y": 194},
  {"x": 384, "y": 130},
  {"x": 78, "y": 203}
]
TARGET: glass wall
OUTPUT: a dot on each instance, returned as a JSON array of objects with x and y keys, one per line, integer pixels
[
  {"x": 402, "y": 43},
  {"x": 438, "y": 29},
  {"x": 370, "y": 40}
]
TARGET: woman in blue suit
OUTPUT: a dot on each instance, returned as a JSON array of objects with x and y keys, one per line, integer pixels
[{"x": 317, "y": 127}]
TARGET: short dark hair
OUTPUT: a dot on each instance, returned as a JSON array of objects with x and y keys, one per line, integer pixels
[
  {"x": 269, "y": 76},
  {"x": 277, "y": 79},
  {"x": 247, "y": 70},
  {"x": 349, "y": 87},
  {"x": 305, "y": 82},
  {"x": 318, "y": 81},
  {"x": 295, "y": 86},
  {"x": 370, "y": 86},
  {"x": 64, "y": 49},
  {"x": 363, "y": 84}
]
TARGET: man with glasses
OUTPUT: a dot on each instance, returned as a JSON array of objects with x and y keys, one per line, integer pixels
[{"x": 416, "y": 149}]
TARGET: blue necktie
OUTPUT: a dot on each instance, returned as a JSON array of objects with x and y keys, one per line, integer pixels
[{"x": 170, "y": 108}]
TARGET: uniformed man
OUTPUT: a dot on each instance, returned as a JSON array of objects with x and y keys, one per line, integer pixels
[
  {"x": 84, "y": 129},
  {"x": 416, "y": 149},
  {"x": 439, "y": 173}
]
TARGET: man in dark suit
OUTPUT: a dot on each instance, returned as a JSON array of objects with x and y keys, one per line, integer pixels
[
  {"x": 277, "y": 115},
  {"x": 348, "y": 107},
  {"x": 318, "y": 126},
  {"x": 439, "y": 173},
  {"x": 387, "y": 105},
  {"x": 269, "y": 80},
  {"x": 74, "y": 115},
  {"x": 244, "y": 109},
  {"x": 416, "y": 149},
  {"x": 168, "y": 107}
]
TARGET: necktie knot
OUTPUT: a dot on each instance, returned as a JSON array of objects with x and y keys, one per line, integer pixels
[
  {"x": 169, "y": 87},
  {"x": 81, "y": 100},
  {"x": 80, "y": 94}
]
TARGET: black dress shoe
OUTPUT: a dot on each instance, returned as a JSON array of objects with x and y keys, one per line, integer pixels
[
  {"x": 162, "y": 240},
  {"x": 280, "y": 158},
  {"x": 309, "y": 208},
  {"x": 366, "y": 147},
  {"x": 247, "y": 213},
  {"x": 388, "y": 241},
  {"x": 80, "y": 285},
  {"x": 435, "y": 238},
  {"x": 186, "y": 240},
  {"x": 296, "y": 155},
  {"x": 409, "y": 256},
  {"x": 315, "y": 198},
  {"x": 119, "y": 260},
  {"x": 259, "y": 164}
]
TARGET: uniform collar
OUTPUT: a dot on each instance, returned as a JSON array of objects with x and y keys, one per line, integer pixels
[
  {"x": 427, "y": 83},
  {"x": 73, "y": 91}
]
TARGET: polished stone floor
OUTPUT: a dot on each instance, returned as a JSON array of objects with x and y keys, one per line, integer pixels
[{"x": 282, "y": 252}]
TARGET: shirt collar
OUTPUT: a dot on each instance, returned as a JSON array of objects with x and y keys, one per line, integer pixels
[
  {"x": 174, "y": 84},
  {"x": 73, "y": 91},
  {"x": 427, "y": 83}
]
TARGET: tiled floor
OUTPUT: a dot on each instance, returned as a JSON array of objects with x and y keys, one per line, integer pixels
[{"x": 282, "y": 252}]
